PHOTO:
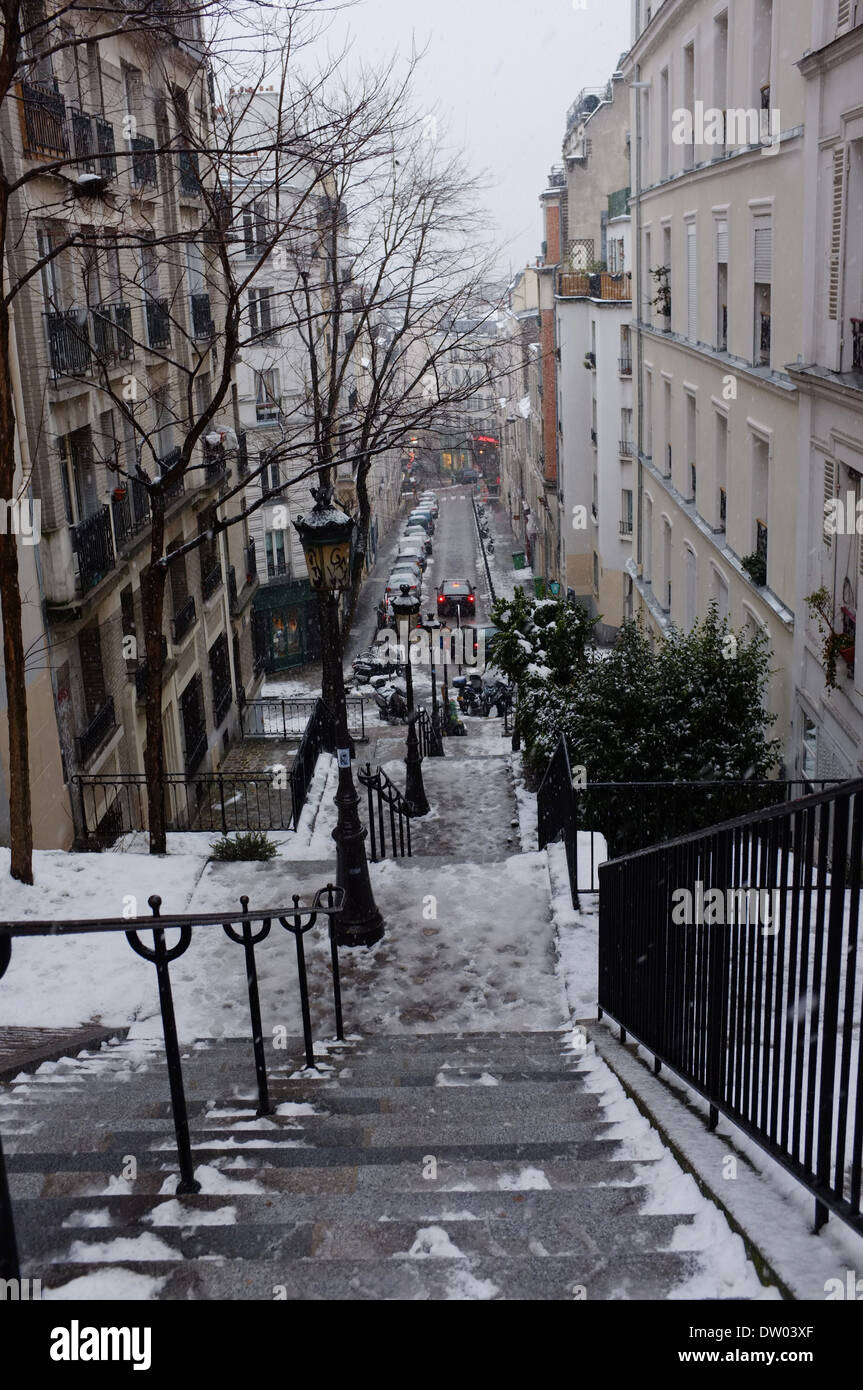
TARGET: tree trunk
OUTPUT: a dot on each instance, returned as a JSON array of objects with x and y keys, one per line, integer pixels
[
  {"x": 152, "y": 606},
  {"x": 20, "y": 823}
]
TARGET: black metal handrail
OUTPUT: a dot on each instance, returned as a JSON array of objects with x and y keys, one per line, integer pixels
[
  {"x": 386, "y": 805},
  {"x": 271, "y": 717},
  {"x": 94, "y": 548},
  {"x": 317, "y": 735},
  {"x": 732, "y": 955},
  {"x": 627, "y": 816},
  {"x": 247, "y": 929}
]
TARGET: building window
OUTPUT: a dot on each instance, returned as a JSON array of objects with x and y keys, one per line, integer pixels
[
  {"x": 763, "y": 278},
  {"x": 267, "y": 395},
  {"x": 274, "y": 544},
  {"x": 626, "y": 512},
  {"x": 260, "y": 314}
]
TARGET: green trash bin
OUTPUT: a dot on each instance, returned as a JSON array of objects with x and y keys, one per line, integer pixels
[
  {"x": 518, "y": 560},
  {"x": 539, "y": 586}
]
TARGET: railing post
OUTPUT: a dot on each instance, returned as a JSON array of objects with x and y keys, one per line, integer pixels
[
  {"x": 284, "y": 723},
  {"x": 248, "y": 940},
  {"x": 334, "y": 960},
  {"x": 222, "y": 804}
]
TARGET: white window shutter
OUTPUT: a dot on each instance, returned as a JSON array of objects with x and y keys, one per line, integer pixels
[
  {"x": 691, "y": 284},
  {"x": 722, "y": 243},
  {"x": 845, "y": 16},
  {"x": 836, "y": 233},
  {"x": 764, "y": 254},
  {"x": 829, "y": 492}
]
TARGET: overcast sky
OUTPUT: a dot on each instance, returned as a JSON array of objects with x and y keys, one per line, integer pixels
[{"x": 502, "y": 74}]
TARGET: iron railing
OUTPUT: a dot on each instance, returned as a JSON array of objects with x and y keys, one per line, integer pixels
[
  {"x": 102, "y": 724},
  {"x": 190, "y": 177},
  {"x": 158, "y": 323},
  {"x": 387, "y": 808},
  {"x": 184, "y": 618},
  {"x": 93, "y": 143},
  {"x": 69, "y": 348},
  {"x": 143, "y": 163},
  {"x": 317, "y": 737},
  {"x": 202, "y": 319},
  {"x": 131, "y": 513},
  {"x": 112, "y": 333},
  {"x": 45, "y": 130},
  {"x": 621, "y": 817},
  {"x": 624, "y": 366},
  {"x": 210, "y": 581},
  {"x": 626, "y": 448},
  {"x": 286, "y": 719},
  {"x": 247, "y": 929},
  {"x": 222, "y": 700},
  {"x": 114, "y": 805},
  {"x": 94, "y": 548},
  {"x": 857, "y": 345},
  {"x": 732, "y": 955}
]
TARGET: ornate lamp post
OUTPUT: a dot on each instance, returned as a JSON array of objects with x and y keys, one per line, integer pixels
[
  {"x": 406, "y": 607},
  {"x": 432, "y": 626},
  {"x": 325, "y": 535}
]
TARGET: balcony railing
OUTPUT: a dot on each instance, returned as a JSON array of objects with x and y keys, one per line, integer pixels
[
  {"x": 101, "y": 726},
  {"x": 602, "y": 285},
  {"x": 94, "y": 547},
  {"x": 93, "y": 144},
  {"x": 626, "y": 526},
  {"x": 626, "y": 449},
  {"x": 196, "y": 744},
  {"x": 45, "y": 131},
  {"x": 112, "y": 333},
  {"x": 251, "y": 562},
  {"x": 624, "y": 366},
  {"x": 158, "y": 323},
  {"x": 857, "y": 345},
  {"x": 215, "y": 463},
  {"x": 233, "y": 596},
  {"x": 184, "y": 619},
  {"x": 593, "y": 436},
  {"x": 143, "y": 164},
  {"x": 69, "y": 347},
  {"x": 202, "y": 319},
  {"x": 221, "y": 704},
  {"x": 210, "y": 580},
  {"x": 190, "y": 179},
  {"x": 131, "y": 513}
]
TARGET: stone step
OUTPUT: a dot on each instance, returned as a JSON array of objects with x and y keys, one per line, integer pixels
[
  {"x": 348, "y": 1237},
  {"x": 641, "y": 1276}
]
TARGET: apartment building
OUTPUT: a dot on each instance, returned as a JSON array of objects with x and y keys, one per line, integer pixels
[
  {"x": 522, "y": 485},
  {"x": 593, "y": 296},
  {"x": 718, "y": 112},
  {"x": 126, "y": 308},
  {"x": 828, "y": 719}
]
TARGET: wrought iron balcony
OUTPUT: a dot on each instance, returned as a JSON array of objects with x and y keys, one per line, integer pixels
[
  {"x": 100, "y": 728},
  {"x": 69, "y": 346},
  {"x": 626, "y": 449},
  {"x": 112, "y": 333},
  {"x": 215, "y": 463},
  {"x": 202, "y": 319},
  {"x": 45, "y": 131},
  {"x": 143, "y": 165},
  {"x": 210, "y": 580},
  {"x": 93, "y": 144},
  {"x": 196, "y": 745},
  {"x": 251, "y": 562},
  {"x": 184, "y": 619},
  {"x": 857, "y": 345},
  {"x": 158, "y": 323},
  {"x": 131, "y": 513},
  {"x": 624, "y": 366},
  {"x": 626, "y": 526},
  {"x": 222, "y": 699},
  {"x": 94, "y": 548},
  {"x": 190, "y": 179}
]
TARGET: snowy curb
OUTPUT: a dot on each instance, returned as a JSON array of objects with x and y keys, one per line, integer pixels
[{"x": 769, "y": 1203}]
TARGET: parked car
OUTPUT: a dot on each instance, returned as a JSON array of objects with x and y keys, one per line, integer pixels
[
  {"x": 456, "y": 596},
  {"x": 423, "y": 519},
  {"x": 413, "y": 550},
  {"x": 416, "y": 533},
  {"x": 429, "y": 500},
  {"x": 468, "y": 475}
]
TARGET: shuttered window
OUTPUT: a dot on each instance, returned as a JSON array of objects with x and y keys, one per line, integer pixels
[
  {"x": 722, "y": 243},
  {"x": 845, "y": 16},
  {"x": 829, "y": 492},
  {"x": 764, "y": 254},
  {"x": 691, "y": 284},
  {"x": 836, "y": 233}
]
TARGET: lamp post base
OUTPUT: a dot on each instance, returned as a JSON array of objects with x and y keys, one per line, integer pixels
[
  {"x": 415, "y": 794},
  {"x": 360, "y": 923}
]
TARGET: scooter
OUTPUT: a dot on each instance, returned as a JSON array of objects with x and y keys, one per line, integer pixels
[
  {"x": 391, "y": 700},
  {"x": 373, "y": 663}
]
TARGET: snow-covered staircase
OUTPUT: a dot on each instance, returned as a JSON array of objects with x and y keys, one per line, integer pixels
[{"x": 404, "y": 1167}]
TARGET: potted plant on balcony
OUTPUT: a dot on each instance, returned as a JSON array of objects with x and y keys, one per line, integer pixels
[
  {"x": 756, "y": 567},
  {"x": 662, "y": 298},
  {"x": 119, "y": 492},
  {"x": 834, "y": 644},
  {"x": 590, "y": 360}
]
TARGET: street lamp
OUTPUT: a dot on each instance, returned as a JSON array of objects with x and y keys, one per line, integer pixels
[
  {"x": 406, "y": 606},
  {"x": 325, "y": 535},
  {"x": 433, "y": 626}
]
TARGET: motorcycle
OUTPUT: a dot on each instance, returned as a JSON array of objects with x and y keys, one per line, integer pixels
[
  {"x": 391, "y": 700},
  {"x": 478, "y": 695},
  {"x": 373, "y": 663}
]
